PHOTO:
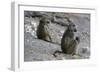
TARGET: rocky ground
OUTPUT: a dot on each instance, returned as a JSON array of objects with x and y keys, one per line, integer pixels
[{"x": 40, "y": 50}]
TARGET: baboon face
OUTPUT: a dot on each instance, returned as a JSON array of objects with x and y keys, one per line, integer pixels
[
  {"x": 72, "y": 28},
  {"x": 45, "y": 21}
]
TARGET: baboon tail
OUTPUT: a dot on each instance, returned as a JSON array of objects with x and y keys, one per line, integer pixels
[{"x": 57, "y": 51}]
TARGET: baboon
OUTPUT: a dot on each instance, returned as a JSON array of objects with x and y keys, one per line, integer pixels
[
  {"x": 42, "y": 29},
  {"x": 69, "y": 42}
]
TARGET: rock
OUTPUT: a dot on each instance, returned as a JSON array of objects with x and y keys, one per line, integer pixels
[
  {"x": 32, "y": 14},
  {"x": 84, "y": 52},
  {"x": 30, "y": 25},
  {"x": 36, "y": 49},
  {"x": 40, "y": 50}
]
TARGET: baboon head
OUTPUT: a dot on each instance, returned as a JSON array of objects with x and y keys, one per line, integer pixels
[
  {"x": 72, "y": 28},
  {"x": 45, "y": 20}
]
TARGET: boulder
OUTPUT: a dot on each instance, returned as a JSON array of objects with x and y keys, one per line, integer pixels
[{"x": 39, "y": 50}]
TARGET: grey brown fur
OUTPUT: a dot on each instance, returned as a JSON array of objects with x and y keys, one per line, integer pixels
[
  {"x": 69, "y": 42},
  {"x": 42, "y": 32}
]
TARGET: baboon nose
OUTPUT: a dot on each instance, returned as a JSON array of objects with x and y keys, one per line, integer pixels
[{"x": 75, "y": 30}]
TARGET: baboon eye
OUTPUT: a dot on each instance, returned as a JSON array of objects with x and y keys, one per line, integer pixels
[
  {"x": 73, "y": 25},
  {"x": 48, "y": 22}
]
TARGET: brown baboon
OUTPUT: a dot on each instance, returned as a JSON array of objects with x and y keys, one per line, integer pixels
[
  {"x": 69, "y": 42},
  {"x": 42, "y": 29}
]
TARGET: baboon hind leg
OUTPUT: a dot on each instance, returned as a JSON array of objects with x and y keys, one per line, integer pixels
[{"x": 57, "y": 51}]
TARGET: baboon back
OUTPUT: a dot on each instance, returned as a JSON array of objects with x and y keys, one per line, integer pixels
[{"x": 68, "y": 43}]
